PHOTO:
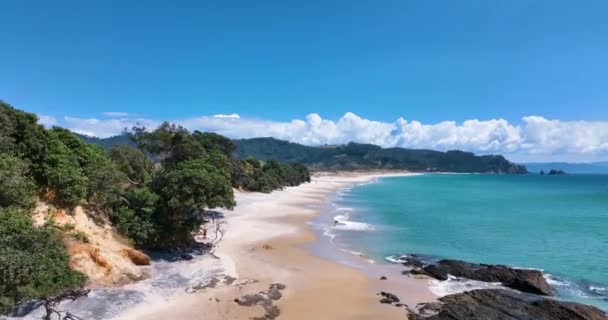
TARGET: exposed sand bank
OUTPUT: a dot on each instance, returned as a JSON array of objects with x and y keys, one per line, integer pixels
[{"x": 264, "y": 239}]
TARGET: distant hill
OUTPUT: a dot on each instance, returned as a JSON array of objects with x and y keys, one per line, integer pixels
[
  {"x": 576, "y": 168},
  {"x": 108, "y": 143},
  {"x": 355, "y": 156}
]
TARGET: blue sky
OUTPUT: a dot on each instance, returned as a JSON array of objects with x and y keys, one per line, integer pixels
[{"x": 430, "y": 61}]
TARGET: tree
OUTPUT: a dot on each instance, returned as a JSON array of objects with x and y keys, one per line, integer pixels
[
  {"x": 135, "y": 216},
  {"x": 33, "y": 261},
  {"x": 62, "y": 176},
  {"x": 104, "y": 180},
  {"x": 17, "y": 188},
  {"x": 133, "y": 163},
  {"x": 193, "y": 186}
]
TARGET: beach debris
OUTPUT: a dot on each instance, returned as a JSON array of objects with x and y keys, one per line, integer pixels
[
  {"x": 383, "y": 278},
  {"x": 264, "y": 299},
  {"x": 388, "y": 298},
  {"x": 267, "y": 247}
]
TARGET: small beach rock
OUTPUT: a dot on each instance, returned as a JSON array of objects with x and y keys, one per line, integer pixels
[
  {"x": 383, "y": 278},
  {"x": 250, "y": 300},
  {"x": 272, "y": 311},
  {"x": 388, "y": 297},
  {"x": 265, "y": 299},
  {"x": 277, "y": 286}
]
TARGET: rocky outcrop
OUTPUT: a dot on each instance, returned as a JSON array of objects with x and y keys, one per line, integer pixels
[
  {"x": 496, "y": 304},
  {"x": 525, "y": 280},
  {"x": 94, "y": 248}
]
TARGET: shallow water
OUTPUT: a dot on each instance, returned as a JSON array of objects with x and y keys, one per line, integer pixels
[{"x": 558, "y": 224}]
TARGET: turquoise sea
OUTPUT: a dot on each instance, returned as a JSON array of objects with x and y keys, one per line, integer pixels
[{"x": 558, "y": 224}]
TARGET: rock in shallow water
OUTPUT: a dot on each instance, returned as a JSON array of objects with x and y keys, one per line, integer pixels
[
  {"x": 525, "y": 280},
  {"x": 496, "y": 304}
]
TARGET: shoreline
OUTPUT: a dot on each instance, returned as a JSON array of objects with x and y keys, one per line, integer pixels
[{"x": 268, "y": 241}]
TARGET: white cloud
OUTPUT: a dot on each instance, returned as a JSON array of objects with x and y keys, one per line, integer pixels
[
  {"x": 228, "y": 116},
  {"x": 105, "y": 127},
  {"x": 47, "y": 121},
  {"x": 115, "y": 114},
  {"x": 535, "y": 138}
]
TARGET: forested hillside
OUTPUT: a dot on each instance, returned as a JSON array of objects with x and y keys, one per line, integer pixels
[
  {"x": 366, "y": 156},
  {"x": 356, "y": 156},
  {"x": 151, "y": 189}
]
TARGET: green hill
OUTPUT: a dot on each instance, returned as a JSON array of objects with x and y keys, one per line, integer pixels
[{"x": 354, "y": 156}]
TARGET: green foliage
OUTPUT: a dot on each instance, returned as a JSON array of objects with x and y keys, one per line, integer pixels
[
  {"x": 103, "y": 178},
  {"x": 79, "y": 236},
  {"x": 33, "y": 261},
  {"x": 134, "y": 217},
  {"x": 252, "y": 175},
  {"x": 62, "y": 175},
  {"x": 17, "y": 188},
  {"x": 213, "y": 141},
  {"x": 133, "y": 163},
  {"x": 195, "y": 185}
]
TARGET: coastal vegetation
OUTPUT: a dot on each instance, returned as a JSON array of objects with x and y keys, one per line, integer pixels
[
  {"x": 153, "y": 190},
  {"x": 356, "y": 156}
]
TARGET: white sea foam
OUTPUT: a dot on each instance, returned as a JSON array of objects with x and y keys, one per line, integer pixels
[
  {"x": 343, "y": 223},
  {"x": 395, "y": 259},
  {"x": 401, "y": 258},
  {"x": 458, "y": 285},
  {"x": 599, "y": 290}
]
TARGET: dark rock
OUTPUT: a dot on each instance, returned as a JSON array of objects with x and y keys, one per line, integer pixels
[
  {"x": 274, "y": 294},
  {"x": 496, "y": 304},
  {"x": 277, "y": 286},
  {"x": 265, "y": 299},
  {"x": 412, "y": 261},
  {"x": 531, "y": 281},
  {"x": 251, "y": 300},
  {"x": 388, "y": 297},
  {"x": 554, "y": 172},
  {"x": 271, "y": 311},
  {"x": 186, "y": 256},
  {"x": 383, "y": 278}
]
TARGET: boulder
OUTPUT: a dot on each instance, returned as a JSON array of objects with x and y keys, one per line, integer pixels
[
  {"x": 525, "y": 280},
  {"x": 497, "y": 304}
]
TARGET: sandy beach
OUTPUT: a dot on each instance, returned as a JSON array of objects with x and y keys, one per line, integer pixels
[{"x": 263, "y": 245}]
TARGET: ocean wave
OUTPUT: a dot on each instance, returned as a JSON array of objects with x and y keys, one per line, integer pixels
[
  {"x": 602, "y": 291},
  {"x": 458, "y": 285},
  {"x": 343, "y": 223},
  {"x": 400, "y": 258}
]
